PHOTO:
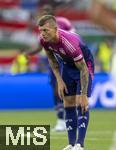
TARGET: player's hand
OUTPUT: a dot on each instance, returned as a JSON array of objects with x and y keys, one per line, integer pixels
[
  {"x": 61, "y": 88},
  {"x": 83, "y": 102}
]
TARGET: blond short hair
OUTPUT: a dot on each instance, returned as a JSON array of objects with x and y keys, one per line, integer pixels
[{"x": 47, "y": 18}]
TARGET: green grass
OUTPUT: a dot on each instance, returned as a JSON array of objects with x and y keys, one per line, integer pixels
[{"x": 100, "y": 131}]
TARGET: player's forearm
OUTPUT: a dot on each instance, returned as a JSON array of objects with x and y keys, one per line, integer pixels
[
  {"x": 54, "y": 64},
  {"x": 33, "y": 52},
  {"x": 84, "y": 76},
  {"x": 55, "y": 68}
]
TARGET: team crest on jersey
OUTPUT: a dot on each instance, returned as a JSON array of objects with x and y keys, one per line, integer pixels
[{"x": 62, "y": 51}]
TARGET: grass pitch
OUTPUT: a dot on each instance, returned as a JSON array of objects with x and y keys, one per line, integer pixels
[{"x": 100, "y": 131}]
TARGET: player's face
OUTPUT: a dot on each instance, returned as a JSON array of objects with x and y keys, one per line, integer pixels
[{"x": 48, "y": 32}]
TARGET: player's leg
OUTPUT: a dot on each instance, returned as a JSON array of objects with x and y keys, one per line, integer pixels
[
  {"x": 83, "y": 118},
  {"x": 82, "y": 123},
  {"x": 71, "y": 118},
  {"x": 70, "y": 108},
  {"x": 60, "y": 106},
  {"x": 60, "y": 124}
]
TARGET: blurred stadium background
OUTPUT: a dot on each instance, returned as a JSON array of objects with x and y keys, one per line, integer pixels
[{"x": 26, "y": 97}]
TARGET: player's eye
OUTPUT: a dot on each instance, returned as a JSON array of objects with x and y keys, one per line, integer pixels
[{"x": 45, "y": 30}]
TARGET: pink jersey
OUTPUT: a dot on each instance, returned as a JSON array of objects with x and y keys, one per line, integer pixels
[{"x": 70, "y": 49}]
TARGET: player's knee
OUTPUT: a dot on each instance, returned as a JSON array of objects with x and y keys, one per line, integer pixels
[{"x": 69, "y": 101}]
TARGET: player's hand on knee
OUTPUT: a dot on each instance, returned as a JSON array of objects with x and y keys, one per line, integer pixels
[
  {"x": 83, "y": 102},
  {"x": 62, "y": 88}
]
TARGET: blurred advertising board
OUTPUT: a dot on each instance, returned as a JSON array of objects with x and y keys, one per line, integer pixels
[
  {"x": 33, "y": 91},
  {"x": 104, "y": 92}
]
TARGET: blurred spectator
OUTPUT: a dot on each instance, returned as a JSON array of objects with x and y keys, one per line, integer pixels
[
  {"x": 20, "y": 63},
  {"x": 104, "y": 55},
  {"x": 103, "y": 12},
  {"x": 113, "y": 63}
]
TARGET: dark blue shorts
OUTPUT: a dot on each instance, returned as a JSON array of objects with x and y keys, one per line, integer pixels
[{"x": 71, "y": 77}]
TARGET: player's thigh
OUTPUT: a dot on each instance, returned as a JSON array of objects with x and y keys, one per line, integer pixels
[
  {"x": 70, "y": 101},
  {"x": 69, "y": 81},
  {"x": 70, "y": 97}
]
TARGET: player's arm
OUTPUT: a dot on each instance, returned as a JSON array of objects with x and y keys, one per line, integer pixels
[
  {"x": 84, "y": 75},
  {"x": 53, "y": 63},
  {"x": 55, "y": 67},
  {"x": 35, "y": 51}
]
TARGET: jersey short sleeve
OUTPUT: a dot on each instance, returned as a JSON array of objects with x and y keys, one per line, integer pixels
[{"x": 72, "y": 48}]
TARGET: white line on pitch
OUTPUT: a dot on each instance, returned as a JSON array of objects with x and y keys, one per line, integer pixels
[{"x": 113, "y": 146}]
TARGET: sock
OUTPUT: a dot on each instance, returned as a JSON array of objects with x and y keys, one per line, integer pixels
[
  {"x": 71, "y": 124},
  {"x": 60, "y": 109},
  {"x": 82, "y": 123}
]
